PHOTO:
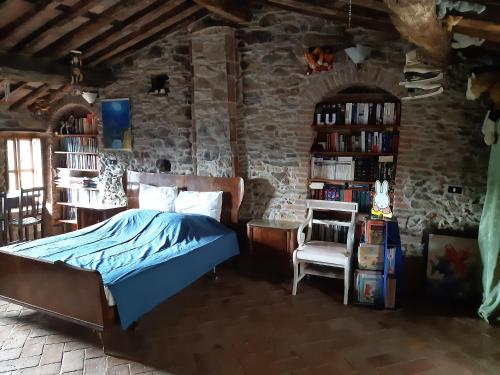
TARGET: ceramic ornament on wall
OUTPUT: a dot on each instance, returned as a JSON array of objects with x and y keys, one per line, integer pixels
[{"x": 319, "y": 59}]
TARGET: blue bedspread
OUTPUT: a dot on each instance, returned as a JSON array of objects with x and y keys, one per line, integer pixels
[{"x": 143, "y": 256}]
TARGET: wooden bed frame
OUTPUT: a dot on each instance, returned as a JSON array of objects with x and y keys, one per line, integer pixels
[{"x": 77, "y": 295}]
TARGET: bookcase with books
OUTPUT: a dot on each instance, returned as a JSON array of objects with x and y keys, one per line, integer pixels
[
  {"x": 76, "y": 167},
  {"x": 356, "y": 143},
  {"x": 379, "y": 264}
]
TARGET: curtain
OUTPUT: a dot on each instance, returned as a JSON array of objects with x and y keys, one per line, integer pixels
[{"x": 489, "y": 238}]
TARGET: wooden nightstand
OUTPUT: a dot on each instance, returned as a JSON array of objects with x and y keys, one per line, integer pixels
[
  {"x": 272, "y": 238},
  {"x": 86, "y": 216}
]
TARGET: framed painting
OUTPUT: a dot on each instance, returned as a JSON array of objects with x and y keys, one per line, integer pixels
[
  {"x": 116, "y": 124},
  {"x": 453, "y": 268}
]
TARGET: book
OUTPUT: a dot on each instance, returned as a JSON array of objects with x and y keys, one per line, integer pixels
[
  {"x": 371, "y": 257},
  {"x": 369, "y": 287},
  {"x": 374, "y": 231}
]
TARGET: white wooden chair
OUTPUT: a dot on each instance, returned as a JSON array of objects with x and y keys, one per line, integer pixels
[{"x": 324, "y": 253}]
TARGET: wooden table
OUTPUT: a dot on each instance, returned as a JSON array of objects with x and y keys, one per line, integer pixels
[{"x": 272, "y": 243}]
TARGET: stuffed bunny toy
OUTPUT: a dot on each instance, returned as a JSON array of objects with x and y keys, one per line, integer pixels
[{"x": 381, "y": 200}]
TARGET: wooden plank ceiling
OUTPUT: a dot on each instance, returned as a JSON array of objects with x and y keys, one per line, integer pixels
[{"x": 36, "y": 36}]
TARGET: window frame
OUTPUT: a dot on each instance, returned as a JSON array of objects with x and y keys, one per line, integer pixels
[{"x": 18, "y": 171}]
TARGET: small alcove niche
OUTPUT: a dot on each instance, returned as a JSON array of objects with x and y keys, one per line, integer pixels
[
  {"x": 163, "y": 165},
  {"x": 159, "y": 84}
]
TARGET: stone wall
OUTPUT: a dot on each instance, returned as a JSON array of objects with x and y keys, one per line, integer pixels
[
  {"x": 440, "y": 145},
  {"x": 215, "y": 77},
  {"x": 161, "y": 125},
  {"x": 440, "y": 139}
]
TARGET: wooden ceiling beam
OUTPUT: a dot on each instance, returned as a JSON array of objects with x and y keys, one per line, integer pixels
[
  {"x": 174, "y": 18},
  {"x": 234, "y": 11},
  {"x": 63, "y": 18},
  {"x": 17, "y": 94},
  {"x": 24, "y": 68},
  {"x": 186, "y": 23},
  {"x": 107, "y": 20},
  {"x": 39, "y": 15},
  {"x": 52, "y": 97},
  {"x": 479, "y": 29},
  {"x": 381, "y": 24},
  {"x": 32, "y": 95},
  {"x": 26, "y": 12},
  {"x": 63, "y": 23},
  {"x": 131, "y": 29}
]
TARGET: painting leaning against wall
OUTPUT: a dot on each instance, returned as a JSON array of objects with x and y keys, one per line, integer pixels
[{"x": 116, "y": 124}]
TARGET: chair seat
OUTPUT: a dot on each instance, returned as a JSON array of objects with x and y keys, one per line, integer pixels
[
  {"x": 323, "y": 252},
  {"x": 26, "y": 221}
]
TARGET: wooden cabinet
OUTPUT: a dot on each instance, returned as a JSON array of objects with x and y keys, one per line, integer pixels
[
  {"x": 86, "y": 216},
  {"x": 272, "y": 242}
]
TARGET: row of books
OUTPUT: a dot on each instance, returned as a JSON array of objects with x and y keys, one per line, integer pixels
[
  {"x": 364, "y": 142},
  {"x": 360, "y": 194},
  {"x": 81, "y": 125},
  {"x": 79, "y": 144},
  {"x": 81, "y": 197},
  {"x": 74, "y": 161},
  {"x": 347, "y": 168},
  {"x": 77, "y": 182},
  {"x": 333, "y": 168},
  {"x": 335, "y": 233},
  {"x": 356, "y": 114},
  {"x": 371, "y": 169}
]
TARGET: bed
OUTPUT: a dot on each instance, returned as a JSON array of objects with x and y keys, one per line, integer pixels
[{"x": 75, "y": 290}]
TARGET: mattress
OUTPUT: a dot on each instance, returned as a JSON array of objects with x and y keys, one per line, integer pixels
[{"x": 143, "y": 256}]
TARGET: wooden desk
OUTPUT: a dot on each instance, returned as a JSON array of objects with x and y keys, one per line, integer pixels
[{"x": 272, "y": 242}]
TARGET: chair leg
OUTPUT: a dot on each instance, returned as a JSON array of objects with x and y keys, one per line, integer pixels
[
  {"x": 295, "y": 274},
  {"x": 347, "y": 281}
]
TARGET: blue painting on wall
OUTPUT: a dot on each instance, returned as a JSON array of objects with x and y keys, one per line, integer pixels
[{"x": 116, "y": 124}]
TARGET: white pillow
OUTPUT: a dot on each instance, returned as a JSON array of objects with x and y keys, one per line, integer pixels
[
  {"x": 207, "y": 203},
  {"x": 160, "y": 198}
]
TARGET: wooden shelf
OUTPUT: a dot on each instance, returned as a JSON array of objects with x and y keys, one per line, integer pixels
[
  {"x": 76, "y": 187},
  {"x": 80, "y": 170},
  {"x": 340, "y": 182},
  {"x": 361, "y": 154},
  {"x": 75, "y": 153},
  {"x": 75, "y": 135},
  {"x": 64, "y": 221},
  {"x": 352, "y": 128}
]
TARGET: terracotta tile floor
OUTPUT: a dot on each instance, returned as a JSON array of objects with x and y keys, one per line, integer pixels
[{"x": 243, "y": 324}]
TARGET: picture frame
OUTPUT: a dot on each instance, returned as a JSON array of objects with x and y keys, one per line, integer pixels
[
  {"x": 453, "y": 268},
  {"x": 116, "y": 124}
]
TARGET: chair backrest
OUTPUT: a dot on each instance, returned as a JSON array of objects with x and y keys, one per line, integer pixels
[
  {"x": 3, "y": 208},
  {"x": 32, "y": 202},
  {"x": 329, "y": 206}
]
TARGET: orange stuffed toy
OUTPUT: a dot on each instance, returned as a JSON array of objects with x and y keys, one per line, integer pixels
[{"x": 318, "y": 60}]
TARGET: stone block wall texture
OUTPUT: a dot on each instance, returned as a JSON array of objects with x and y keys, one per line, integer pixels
[
  {"x": 161, "y": 125},
  {"x": 214, "y": 61},
  {"x": 440, "y": 142}
]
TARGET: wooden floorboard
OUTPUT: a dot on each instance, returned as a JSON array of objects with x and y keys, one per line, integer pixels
[{"x": 245, "y": 323}]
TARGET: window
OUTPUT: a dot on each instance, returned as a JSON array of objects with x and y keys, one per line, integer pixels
[{"x": 24, "y": 163}]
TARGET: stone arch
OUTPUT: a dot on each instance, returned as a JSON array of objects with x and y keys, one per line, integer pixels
[
  {"x": 345, "y": 75},
  {"x": 75, "y": 105}
]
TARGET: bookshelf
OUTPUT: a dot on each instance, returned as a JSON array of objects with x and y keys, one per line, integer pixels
[
  {"x": 75, "y": 157},
  {"x": 356, "y": 143}
]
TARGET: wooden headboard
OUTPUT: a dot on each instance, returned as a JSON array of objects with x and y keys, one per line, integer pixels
[{"x": 231, "y": 186}]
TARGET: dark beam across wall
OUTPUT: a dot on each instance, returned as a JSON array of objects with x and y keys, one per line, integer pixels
[{"x": 24, "y": 68}]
